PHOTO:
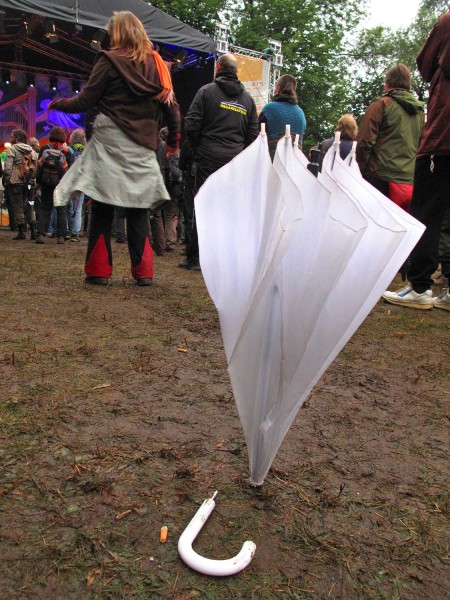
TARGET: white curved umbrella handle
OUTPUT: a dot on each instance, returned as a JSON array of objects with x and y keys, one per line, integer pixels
[{"x": 208, "y": 566}]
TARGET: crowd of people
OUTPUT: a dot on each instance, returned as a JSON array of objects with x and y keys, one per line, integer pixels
[{"x": 133, "y": 170}]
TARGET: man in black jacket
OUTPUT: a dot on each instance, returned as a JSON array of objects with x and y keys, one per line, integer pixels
[{"x": 221, "y": 122}]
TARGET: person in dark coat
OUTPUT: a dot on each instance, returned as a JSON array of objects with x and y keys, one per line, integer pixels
[{"x": 221, "y": 122}]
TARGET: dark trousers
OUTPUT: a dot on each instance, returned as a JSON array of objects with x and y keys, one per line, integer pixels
[
  {"x": 431, "y": 198},
  {"x": 444, "y": 244},
  {"x": 99, "y": 253},
  {"x": 17, "y": 194},
  {"x": 45, "y": 212},
  {"x": 203, "y": 170},
  {"x": 381, "y": 186},
  {"x": 158, "y": 234},
  {"x": 188, "y": 203},
  {"x": 119, "y": 223},
  {"x": 7, "y": 199}
]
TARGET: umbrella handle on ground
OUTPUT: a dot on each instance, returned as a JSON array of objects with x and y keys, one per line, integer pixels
[{"x": 208, "y": 566}]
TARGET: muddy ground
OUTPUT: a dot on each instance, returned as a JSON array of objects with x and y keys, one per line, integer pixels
[{"x": 108, "y": 432}]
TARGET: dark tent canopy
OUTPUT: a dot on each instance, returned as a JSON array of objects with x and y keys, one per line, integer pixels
[
  {"x": 160, "y": 26},
  {"x": 53, "y": 39}
]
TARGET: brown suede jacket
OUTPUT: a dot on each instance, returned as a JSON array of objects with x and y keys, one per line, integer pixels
[
  {"x": 125, "y": 92},
  {"x": 434, "y": 66}
]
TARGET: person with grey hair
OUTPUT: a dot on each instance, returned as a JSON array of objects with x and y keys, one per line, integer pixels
[
  {"x": 221, "y": 122},
  {"x": 77, "y": 142},
  {"x": 78, "y": 136},
  {"x": 34, "y": 143}
]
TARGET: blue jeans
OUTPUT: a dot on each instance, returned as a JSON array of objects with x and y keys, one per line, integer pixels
[
  {"x": 52, "y": 223},
  {"x": 74, "y": 209}
]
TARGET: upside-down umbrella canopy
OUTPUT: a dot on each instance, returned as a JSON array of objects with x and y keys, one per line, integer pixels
[
  {"x": 281, "y": 324},
  {"x": 160, "y": 27}
]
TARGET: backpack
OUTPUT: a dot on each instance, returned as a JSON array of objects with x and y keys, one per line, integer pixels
[
  {"x": 53, "y": 165},
  {"x": 27, "y": 168}
]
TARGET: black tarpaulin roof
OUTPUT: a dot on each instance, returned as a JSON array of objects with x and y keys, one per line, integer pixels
[{"x": 160, "y": 27}]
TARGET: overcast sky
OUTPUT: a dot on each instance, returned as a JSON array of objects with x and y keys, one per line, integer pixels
[{"x": 392, "y": 13}]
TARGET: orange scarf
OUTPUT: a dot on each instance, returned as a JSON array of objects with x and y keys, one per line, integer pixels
[{"x": 166, "y": 95}]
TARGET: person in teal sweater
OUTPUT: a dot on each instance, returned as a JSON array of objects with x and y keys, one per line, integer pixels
[{"x": 283, "y": 110}]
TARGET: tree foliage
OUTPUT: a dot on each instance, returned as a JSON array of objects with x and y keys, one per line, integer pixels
[
  {"x": 379, "y": 48},
  {"x": 200, "y": 14},
  {"x": 337, "y": 70},
  {"x": 312, "y": 34}
]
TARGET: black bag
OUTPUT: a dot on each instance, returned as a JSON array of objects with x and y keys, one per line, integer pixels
[{"x": 53, "y": 165}]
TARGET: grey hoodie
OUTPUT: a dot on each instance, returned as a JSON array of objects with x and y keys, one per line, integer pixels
[{"x": 13, "y": 161}]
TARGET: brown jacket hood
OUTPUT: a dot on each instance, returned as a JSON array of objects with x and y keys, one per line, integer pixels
[{"x": 140, "y": 78}]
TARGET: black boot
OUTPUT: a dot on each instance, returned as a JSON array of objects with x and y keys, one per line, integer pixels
[
  {"x": 32, "y": 231},
  {"x": 20, "y": 233}
]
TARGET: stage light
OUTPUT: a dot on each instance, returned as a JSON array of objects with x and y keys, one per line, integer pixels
[
  {"x": 24, "y": 27},
  {"x": 180, "y": 56},
  {"x": 30, "y": 80},
  {"x": 97, "y": 39},
  {"x": 7, "y": 77},
  {"x": 50, "y": 31},
  {"x": 53, "y": 83},
  {"x": 76, "y": 86}
]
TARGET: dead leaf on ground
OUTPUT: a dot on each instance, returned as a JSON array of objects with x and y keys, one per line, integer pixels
[
  {"x": 122, "y": 514},
  {"x": 91, "y": 576},
  {"x": 101, "y": 386}
]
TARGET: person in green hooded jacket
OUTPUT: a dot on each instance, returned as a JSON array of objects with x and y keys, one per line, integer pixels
[{"x": 389, "y": 135}]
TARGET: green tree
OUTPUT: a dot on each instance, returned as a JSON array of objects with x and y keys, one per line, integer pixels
[
  {"x": 313, "y": 36},
  {"x": 201, "y": 14},
  {"x": 379, "y": 48}
]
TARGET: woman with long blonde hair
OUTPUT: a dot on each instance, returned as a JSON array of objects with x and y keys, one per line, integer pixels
[{"x": 130, "y": 86}]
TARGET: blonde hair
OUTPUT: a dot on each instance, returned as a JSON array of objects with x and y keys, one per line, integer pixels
[
  {"x": 128, "y": 34},
  {"x": 348, "y": 127}
]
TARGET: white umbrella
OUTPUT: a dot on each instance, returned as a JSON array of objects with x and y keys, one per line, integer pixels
[
  {"x": 238, "y": 219},
  {"x": 278, "y": 228}
]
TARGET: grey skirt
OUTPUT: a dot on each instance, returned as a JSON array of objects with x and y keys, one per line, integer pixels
[{"x": 114, "y": 170}]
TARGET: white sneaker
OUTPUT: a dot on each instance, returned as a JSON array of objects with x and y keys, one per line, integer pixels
[
  {"x": 442, "y": 301},
  {"x": 408, "y": 297}
]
